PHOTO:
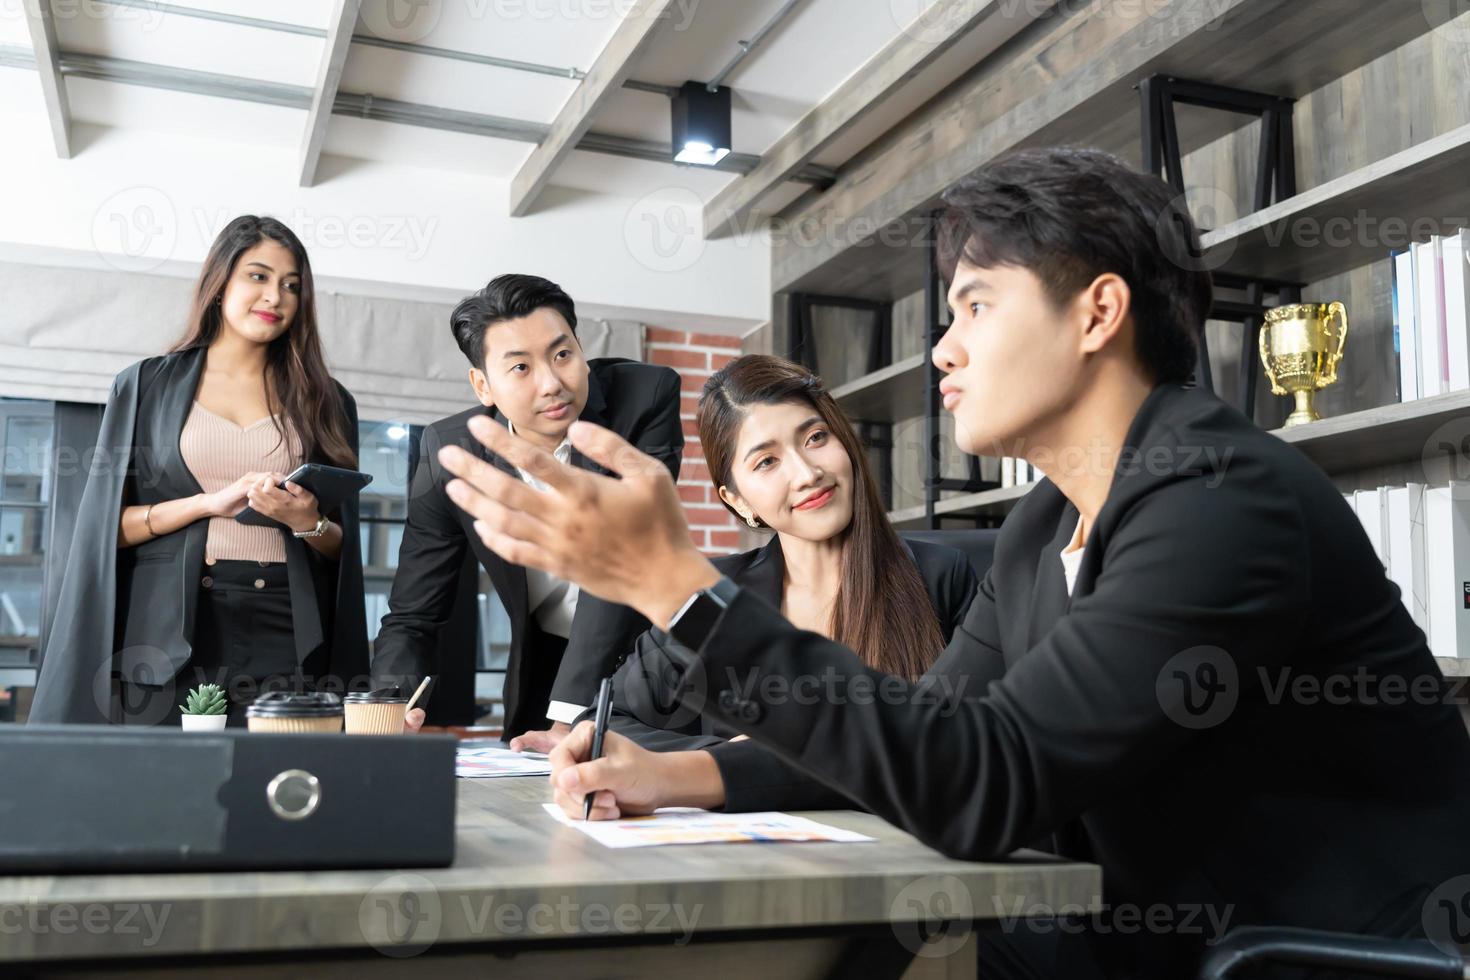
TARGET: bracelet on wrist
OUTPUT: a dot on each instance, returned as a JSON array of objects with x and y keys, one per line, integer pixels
[{"x": 316, "y": 530}]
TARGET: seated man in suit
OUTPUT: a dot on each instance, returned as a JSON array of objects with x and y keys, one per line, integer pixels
[
  {"x": 1167, "y": 611},
  {"x": 528, "y": 371}
]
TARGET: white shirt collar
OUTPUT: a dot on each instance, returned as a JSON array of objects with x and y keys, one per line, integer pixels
[{"x": 563, "y": 454}]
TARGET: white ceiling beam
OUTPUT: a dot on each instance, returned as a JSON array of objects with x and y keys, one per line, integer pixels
[
  {"x": 915, "y": 48},
  {"x": 42, "y": 26},
  {"x": 606, "y": 76},
  {"x": 329, "y": 78}
]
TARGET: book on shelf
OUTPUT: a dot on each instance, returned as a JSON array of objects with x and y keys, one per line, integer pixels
[
  {"x": 1016, "y": 472},
  {"x": 1431, "y": 316},
  {"x": 1405, "y": 332},
  {"x": 1447, "y": 569},
  {"x": 1428, "y": 283},
  {"x": 1369, "y": 505},
  {"x": 1406, "y": 543},
  {"x": 1422, "y": 536},
  {"x": 1455, "y": 293}
]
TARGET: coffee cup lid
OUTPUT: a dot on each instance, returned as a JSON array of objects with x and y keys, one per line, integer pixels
[
  {"x": 383, "y": 695},
  {"x": 289, "y": 704}
]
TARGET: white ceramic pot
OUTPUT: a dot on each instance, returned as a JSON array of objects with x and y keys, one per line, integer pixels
[{"x": 204, "y": 723}]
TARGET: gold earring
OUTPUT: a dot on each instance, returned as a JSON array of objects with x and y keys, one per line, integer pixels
[{"x": 752, "y": 522}]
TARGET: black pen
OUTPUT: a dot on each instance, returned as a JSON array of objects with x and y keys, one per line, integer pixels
[{"x": 599, "y": 731}]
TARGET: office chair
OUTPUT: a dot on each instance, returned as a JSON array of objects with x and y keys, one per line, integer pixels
[
  {"x": 1369, "y": 955},
  {"x": 978, "y": 544}
]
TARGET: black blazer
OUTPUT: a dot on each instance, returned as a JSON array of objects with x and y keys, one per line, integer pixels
[
  {"x": 131, "y": 610},
  {"x": 640, "y": 402},
  {"x": 1143, "y": 721},
  {"x": 650, "y": 708}
]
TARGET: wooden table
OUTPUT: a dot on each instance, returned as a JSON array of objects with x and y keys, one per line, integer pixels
[{"x": 527, "y": 896}]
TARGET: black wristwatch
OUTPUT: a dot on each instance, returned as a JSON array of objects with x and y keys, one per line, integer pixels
[{"x": 697, "y": 618}]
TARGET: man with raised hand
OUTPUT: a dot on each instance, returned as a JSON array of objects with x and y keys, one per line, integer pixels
[
  {"x": 1153, "y": 605},
  {"x": 528, "y": 371}
]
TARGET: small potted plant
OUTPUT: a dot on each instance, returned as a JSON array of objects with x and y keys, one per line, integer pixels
[{"x": 205, "y": 709}]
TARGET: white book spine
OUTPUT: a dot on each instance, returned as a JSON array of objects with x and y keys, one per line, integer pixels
[
  {"x": 1407, "y": 321},
  {"x": 1406, "y": 547},
  {"x": 1419, "y": 570},
  {"x": 1370, "y": 515},
  {"x": 1428, "y": 290},
  {"x": 1457, "y": 307},
  {"x": 1447, "y": 568}
]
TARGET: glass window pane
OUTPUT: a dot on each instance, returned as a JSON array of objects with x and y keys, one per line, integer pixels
[
  {"x": 20, "y": 605},
  {"x": 27, "y": 453},
  {"x": 383, "y": 452},
  {"x": 494, "y": 633},
  {"x": 22, "y": 532},
  {"x": 393, "y": 534}
]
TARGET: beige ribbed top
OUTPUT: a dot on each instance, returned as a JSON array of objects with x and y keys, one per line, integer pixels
[{"x": 218, "y": 452}]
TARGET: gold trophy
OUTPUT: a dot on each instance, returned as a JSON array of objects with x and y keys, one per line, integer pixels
[{"x": 1300, "y": 347}]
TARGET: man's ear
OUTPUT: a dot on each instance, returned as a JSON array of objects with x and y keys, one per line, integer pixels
[
  {"x": 1103, "y": 309},
  {"x": 481, "y": 384}
]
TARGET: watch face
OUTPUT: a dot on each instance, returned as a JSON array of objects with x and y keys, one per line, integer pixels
[{"x": 698, "y": 620}]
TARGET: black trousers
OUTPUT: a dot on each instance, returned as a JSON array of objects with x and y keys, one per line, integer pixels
[
  {"x": 243, "y": 641},
  {"x": 541, "y": 655}
]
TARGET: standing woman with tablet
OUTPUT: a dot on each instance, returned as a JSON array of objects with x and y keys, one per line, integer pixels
[{"x": 163, "y": 590}]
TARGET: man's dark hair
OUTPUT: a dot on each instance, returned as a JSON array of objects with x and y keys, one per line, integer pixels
[
  {"x": 507, "y": 297},
  {"x": 1070, "y": 215}
]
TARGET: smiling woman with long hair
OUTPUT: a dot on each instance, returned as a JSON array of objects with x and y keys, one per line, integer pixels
[
  {"x": 785, "y": 458},
  {"x": 163, "y": 590}
]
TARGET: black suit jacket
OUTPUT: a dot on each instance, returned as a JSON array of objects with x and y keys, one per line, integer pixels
[
  {"x": 640, "y": 402},
  {"x": 131, "y": 610},
  {"x": 1143, "y": 720},
  {"x": 652, "y": 704}
]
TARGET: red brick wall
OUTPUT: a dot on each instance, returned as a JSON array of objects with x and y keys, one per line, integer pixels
[{"x": 696, "y": 356}]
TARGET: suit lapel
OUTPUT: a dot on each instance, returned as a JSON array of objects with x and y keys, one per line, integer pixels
[
  {"x": 509, "y": 580},
  {"x": 1049, "y": 598},
  {"x": 176, "y": 400},
  {"x": 766, "y": 573},
  {"x": 595, "y": 411}
]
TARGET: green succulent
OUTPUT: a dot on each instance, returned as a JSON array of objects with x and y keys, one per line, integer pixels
[{"x": 206, "y": 699}]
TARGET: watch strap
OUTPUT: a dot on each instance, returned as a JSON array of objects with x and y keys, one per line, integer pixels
[{"x": 316, "y": 532}]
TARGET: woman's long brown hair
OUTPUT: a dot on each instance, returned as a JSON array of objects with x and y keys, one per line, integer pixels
[
  {"x": 297, "y": 384},
  {"x": 883, "y": 610}
]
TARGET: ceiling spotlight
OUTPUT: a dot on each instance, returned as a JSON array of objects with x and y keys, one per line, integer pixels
[
  {"x": 701, "y": 124},
  {"x": 397, "y": 432}
]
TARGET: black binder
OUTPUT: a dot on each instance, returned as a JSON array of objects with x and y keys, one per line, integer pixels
[{"x": 108, "y": 798}]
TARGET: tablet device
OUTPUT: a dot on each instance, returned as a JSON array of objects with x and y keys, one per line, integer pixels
[{"x": 329, "y": 484}]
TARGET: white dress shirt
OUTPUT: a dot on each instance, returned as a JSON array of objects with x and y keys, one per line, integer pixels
[
  {"x": 1071, "y": 557},
  {"x": 551, "y": 600}
]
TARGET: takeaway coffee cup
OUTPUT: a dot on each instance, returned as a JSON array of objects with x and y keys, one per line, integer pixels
[
  {"x": 377, "y": 712},
  {"x": 284, "y": 711}
]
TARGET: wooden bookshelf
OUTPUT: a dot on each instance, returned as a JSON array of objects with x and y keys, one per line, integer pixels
[
  {"x": 1390, "y": 434},
  {"x": 1359, "y": 440},
  {"x": 886, "y": 395},
  {"x": 986, "y": 503},
  {"x": 1086, "y": 96},
  {"x": 1333, "y": 231},
  {"x": 1453, "y": 667},
  {"x": 1425, "y": 183}
]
